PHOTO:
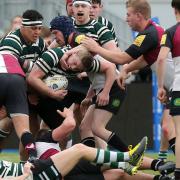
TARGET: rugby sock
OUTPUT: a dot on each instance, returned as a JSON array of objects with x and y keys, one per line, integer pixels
[
  {"x": 172, "y": 144},
  {"x": 104, "y": 156},
  {"x": 162, "y": 155},
  {"x": 117, "y": 143},
  {"x": 158, "y": 177},
  {"x": 3, "y": 134},
  {"x": 89, "y": 141},
  {"x": 156, "y": 163},
  {"x": 177, "y": 174},
  {"x": 116, "y": 165},
  {"x": 29, "y": 144}
]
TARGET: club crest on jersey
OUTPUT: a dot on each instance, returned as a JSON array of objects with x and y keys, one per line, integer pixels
[
  {"x": 116, "y": 103},
  {"x": 177, "y": 102},
  {"x": 139, "y": 40}
]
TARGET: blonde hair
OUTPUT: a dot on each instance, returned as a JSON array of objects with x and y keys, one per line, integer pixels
[
  {"x": 141, "y": 6},
  {"x": 86, "y": 57}
]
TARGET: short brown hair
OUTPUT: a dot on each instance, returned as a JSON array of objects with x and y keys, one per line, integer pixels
[
  {"x": 85, "y": 57},
  {"x": 96, "y": 2},
  {"x": 176, "y": 4},
  {"x": 141, "y": 6}
]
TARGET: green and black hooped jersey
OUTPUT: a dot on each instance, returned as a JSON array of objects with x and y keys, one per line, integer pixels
[
  {"x": 15, "y": 44},
  {"x": 97, "y": 31},
  {"x": 109, "y": 25},
  {"x": 10, "y": 169},
  {"x": 49, "y": 62}
]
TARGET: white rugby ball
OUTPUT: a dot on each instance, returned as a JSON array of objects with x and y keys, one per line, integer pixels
[{"x": 56, "y": 82}]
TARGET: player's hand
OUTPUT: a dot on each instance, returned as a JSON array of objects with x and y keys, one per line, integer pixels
[
  {"x": 27, "y": 169},
  {"x": 63, "y": 61},
  {"x": 162, "y": 95},
  {"x": 65, "y": 113},
  {"x": 121, "y": 80},
  {"x": 102, "y": 99},
  {"x": 3, "y": 112},
  {"x": 90, "y": 44},
  {"x": 58, "y": 94},
  {"x": 82, "y": 75}
]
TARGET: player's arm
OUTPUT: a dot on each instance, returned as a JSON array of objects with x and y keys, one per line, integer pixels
[
  {"x": 66, "y": 127},
  {"x": 111, "y": 45},
  {"x": 27, "y": 174},
  {"x": 127, "y": 69},
  {"x": 12, "y": 45},
  {"x": 161, "y": 68},
  {"x": 35, "y": 80},
  {"x": 136, "y": 65},
  {"x": 166, "y": 45},
  {"x": 115, "y": 55},
  {"x": 109, "y": 69}
]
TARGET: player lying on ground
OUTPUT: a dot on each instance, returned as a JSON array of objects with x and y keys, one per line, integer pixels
[{"x": 56, "y": 166}]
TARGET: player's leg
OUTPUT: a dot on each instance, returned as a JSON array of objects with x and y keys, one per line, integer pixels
[
  {"x": 177, "y": 146},
  {"x": 34, "y": 123},
  {"x": 117, "y": 174},
  {"x": 168, "y": 135},
  {"x": 86, "y": 134},
  {"x": 5, "y": 130},
  {"x": 72, "y": 156},
  {"x": 17, "y": 107}
]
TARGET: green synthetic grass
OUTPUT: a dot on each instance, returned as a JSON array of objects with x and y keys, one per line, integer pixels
[{"x": 14, "y": 157}]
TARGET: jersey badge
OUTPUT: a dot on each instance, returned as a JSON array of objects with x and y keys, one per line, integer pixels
[
  {"x": 139, "y": 40},
  {"x": 79, "y": 38},
  {"x": 163, "y": 39}
]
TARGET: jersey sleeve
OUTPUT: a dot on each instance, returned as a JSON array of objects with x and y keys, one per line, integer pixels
[
  {"x": 167, "y": 39},
  {"x": 49, "y": 59},
  {"x": 95, "y": 66},
  {"x": 104, "y": 34},
  {"x": 11, "y": 44},
  {"x": 141, "y": 45}
]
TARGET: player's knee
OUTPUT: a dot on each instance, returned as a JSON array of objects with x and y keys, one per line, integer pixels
[
  {"x": 97, "y": 130},
  {"x": 79, "y": 147},
  {"x": 165, "y": 130},
  {"x": 84, "y": 127}
]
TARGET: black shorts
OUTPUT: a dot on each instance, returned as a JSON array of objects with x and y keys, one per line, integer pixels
[
  {"x": 85, "y": 171},
  {"x": 47, "y": 109},
  {"x": 78, "y": 89},
  {"x": 13, "y": 94},
  {"x": 116, "y": 98},
  {"x": 168, "y": 102},
  {"x": 175, "y": 103}
]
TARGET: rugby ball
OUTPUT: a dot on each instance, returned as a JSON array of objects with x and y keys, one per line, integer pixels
[{"x": 56, "y": 82}]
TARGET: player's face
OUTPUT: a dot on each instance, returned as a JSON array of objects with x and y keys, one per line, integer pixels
[
  {"x": 74, "y": 63},
  {"x": 95, "y": 11},
  {"x": 132, "y": 19},
  {"x": 31, "y": 34},
  {"x": 81, "y": 13},
  {"x": 59, "y": 37},
  {"x": 70, "y": 9}
]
